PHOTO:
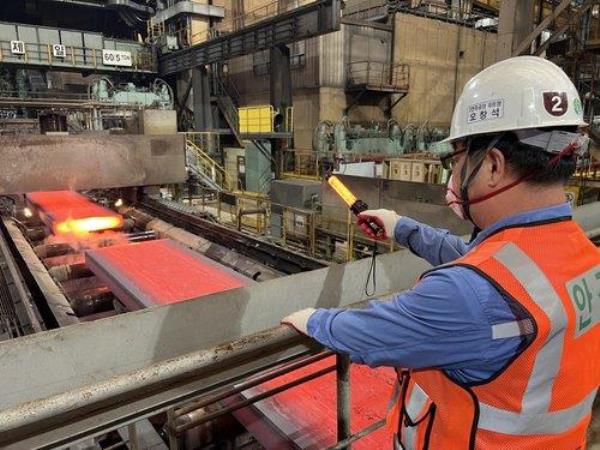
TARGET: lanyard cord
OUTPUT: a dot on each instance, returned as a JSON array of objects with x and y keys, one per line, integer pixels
[{"x": 372, "y": 276}]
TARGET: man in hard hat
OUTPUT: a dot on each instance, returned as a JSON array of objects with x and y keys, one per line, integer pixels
[{"x": 498, "y": 347}]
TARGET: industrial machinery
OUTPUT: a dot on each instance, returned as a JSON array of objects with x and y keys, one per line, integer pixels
[
  {"x": 346, "y": 140},
  {"x": 189, "y": 352},
  {"x": 159, "y": 95}
]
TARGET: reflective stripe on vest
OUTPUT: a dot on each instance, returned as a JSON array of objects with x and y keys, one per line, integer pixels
[
  {"x": 415, "y": 406},
  {"x": 535, "y": 417},
  {"x": 508, "y": 422}
]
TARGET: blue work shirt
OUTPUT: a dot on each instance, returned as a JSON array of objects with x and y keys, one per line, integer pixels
[{"x": 445, "y": 321}]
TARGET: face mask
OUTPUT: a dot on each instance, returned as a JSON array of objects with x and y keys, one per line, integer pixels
[{"x": 453, "y": 201}]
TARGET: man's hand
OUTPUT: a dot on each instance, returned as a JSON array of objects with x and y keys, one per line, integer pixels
[
  {"x": 385, "y": 218},
  {"x": 299, "y": 319}
]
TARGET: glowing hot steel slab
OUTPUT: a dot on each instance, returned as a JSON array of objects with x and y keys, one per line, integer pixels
[
  {"x": 304, "y": 417},
  {"x": 68, "y": 212},
  {"x": 159, "y": 272}
]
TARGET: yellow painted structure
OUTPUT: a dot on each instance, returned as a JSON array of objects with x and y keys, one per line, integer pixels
[{"x": 256, "y": 119}]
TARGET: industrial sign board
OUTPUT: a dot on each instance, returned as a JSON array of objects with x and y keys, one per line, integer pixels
[
  {"x": 116, "y": 58},
  {"x": 59, "y": 51},
  {"x": 17, "y": 47}
]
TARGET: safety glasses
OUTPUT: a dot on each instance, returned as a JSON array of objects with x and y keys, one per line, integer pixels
[{"x": 449, "y": 161}]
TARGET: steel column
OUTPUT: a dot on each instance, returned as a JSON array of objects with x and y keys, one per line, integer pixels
[
  {"x": 281, "y": 78},
  {"x": 515, "y": 23},
  {"x": 343, "y": 398},
  {"x": 203, "y": 119}
]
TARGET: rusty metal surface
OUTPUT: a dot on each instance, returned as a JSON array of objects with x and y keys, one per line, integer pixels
[
  {"x": 50, "y": 163},
  {"x": 58, "y": 310}
]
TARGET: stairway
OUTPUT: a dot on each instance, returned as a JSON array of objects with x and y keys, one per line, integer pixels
[
  {"x": 228, "y": 99},
  {"x": 207, "y": 170},
  {"x": 230, "y": 113}
]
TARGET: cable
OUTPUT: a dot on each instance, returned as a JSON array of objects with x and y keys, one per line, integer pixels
[{"x": 372, "y": 273}]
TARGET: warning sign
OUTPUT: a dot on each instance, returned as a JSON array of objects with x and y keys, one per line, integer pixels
[
  {"x": 59, "y": 51},
  {"x": 17, "y": 47}
]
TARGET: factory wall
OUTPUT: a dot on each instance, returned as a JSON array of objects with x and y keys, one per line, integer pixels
[
  {"x": 251, "y": 77},
  {"x": 320, "y": 71},
  {"x": 337, "y": 50},
  {"x": 437, "y": 71},
  {"x": 251, "y": 73}
]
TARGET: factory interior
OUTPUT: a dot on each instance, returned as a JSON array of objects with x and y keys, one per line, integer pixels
[{"x": 178, "y": 176}]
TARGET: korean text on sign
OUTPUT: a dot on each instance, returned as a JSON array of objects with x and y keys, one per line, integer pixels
[
  {"x": 116, "y": 58},
  {"x": 488, "y": 110}
]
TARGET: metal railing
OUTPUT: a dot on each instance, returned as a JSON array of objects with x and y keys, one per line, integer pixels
[
  {"x": 224, "y": 86},
  {"x": 200, "y": 143},
  {"x": 440, "y": 10},
  {"x": 230, "y": 111},
  {"x": 303, "y": 230},
  {"x": 296, "y": 164},
  {"x": 46, "y": 95},
  {"x": 256, "y": 15},
  {"x": 378, "y": 75},
  {"x": 75, "y": 57},
  {"x": 235, "y": 23}
]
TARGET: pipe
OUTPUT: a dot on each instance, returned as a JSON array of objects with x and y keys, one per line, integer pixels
[
  {"x": 51, "y": 250},
  {"x": 197, "y": 364},
  {"x": 142, "y": 236},
  {"x": 343, "y": 397},
  {"x": 202, "y": 403},
  {"x": 183, "y": 425},
  {"x": 355, "y": 437},
  {"x": 247, "y": 212},
  {"x": 69, "y": 272}
]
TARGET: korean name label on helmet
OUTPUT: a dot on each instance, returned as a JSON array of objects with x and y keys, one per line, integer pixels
[
  {"x": 556, "y": 103},
  {"x": 487, "y": 110}
]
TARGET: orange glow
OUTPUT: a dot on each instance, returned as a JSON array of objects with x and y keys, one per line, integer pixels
[
  {"x": 72, "y": 215},
  {"x": 86, "y": 225},
  {"x": 342, "y": 190}
]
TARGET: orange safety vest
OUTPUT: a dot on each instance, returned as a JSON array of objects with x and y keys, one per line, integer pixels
[{"x": 542, "y": 399}]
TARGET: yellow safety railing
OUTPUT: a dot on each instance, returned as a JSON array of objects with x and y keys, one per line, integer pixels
[{"x": 209, "y": 166}]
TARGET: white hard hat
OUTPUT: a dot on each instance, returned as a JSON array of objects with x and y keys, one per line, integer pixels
[{"x": 518, "y": 93}]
